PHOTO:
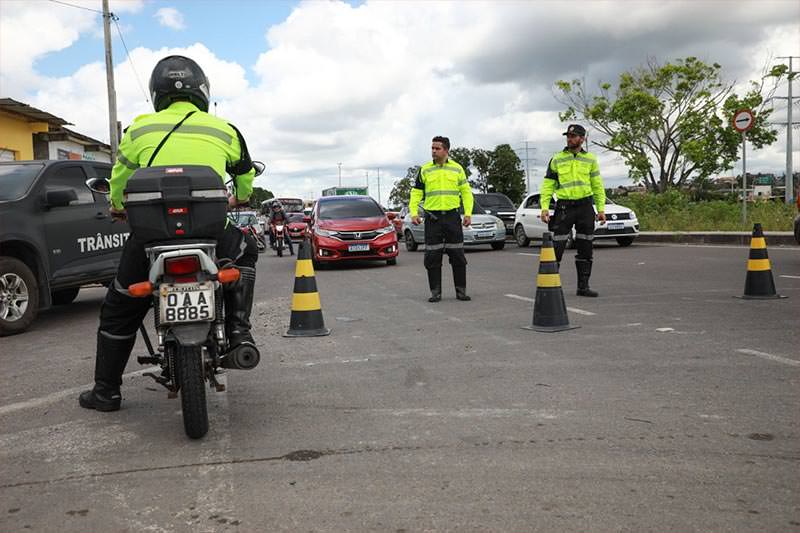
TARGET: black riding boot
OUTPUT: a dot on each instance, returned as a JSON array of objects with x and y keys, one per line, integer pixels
[
  {"x": 112, "y": 356},
  {"x": 435, "y": 284},
  {"x": 584, "y": 268},
  {"x": 460, "y": 281},
  {"x": 238, "y": 303}
]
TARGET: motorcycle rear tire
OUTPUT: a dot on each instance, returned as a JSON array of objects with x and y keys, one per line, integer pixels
[
  {"x": 193, "y": 392},
  {"x": 279, "y": 245}
]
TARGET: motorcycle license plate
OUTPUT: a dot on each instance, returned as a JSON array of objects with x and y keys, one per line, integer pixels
[
  {"x": 186, "y": 302},
  {"x": 615, "y": 226},
  {"x": 358, "y": 248}
]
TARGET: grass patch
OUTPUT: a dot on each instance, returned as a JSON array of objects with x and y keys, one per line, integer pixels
[{"x": 674, "y": 211}]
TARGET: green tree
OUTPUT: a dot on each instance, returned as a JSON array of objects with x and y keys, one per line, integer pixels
[
  {"x": 258, "y": 196},
  {"x": 671, "y": 123},
  {"x": 505, "y": 173},
  {"x": 462, "y": 156},
  {"x": 402, "y": 187},
  {"x": 482, "y": 160}
]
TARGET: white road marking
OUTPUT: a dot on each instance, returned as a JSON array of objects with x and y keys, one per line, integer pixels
[
  {"x": 573, "y": 309},
  {"x": 770, "y": 357},
  {"x": 57, "y": 396},
  {"x": 524, "y": 253},
  {"x": 664, "y": 330},
  {"x": 790, "y": 277}
]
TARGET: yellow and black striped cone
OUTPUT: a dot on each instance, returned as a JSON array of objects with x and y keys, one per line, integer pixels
[
  {"x": 306, "y": 319},
  {"x": 549, "y": 308},
  {"x": 759, "y": 284}
]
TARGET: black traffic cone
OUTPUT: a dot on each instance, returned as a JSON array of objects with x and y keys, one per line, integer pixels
[
  {"x": 549, "y": 308},
  {"x": 306, "y": 319},
  {"x": 759, "y": 284}
]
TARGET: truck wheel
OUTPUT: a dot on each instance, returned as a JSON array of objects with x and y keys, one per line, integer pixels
[
  {"x": 19, "y": 296},
  {"x": 64, "y": 296},
  {"x": 193, "y": 392}
]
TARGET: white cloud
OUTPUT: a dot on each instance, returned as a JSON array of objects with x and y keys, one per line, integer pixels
[
  {"x": 368, "y": 86},
  {"x": 171, "y": 18}
]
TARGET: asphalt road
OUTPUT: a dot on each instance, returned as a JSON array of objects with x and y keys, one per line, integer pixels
[{"x": 673, "y": 407}]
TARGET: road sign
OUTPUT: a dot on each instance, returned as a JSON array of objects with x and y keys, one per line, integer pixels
[{"x": 743, "y": 120}]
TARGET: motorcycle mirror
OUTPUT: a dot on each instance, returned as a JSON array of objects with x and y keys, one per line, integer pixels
[
  {"x": 260, "y": 167},
  {"x": 99, "y": 185}
]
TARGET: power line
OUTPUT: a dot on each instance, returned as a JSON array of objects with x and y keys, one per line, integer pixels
[
  {"x": 75, "y": 6},
  {"x": 115, "y": 18}
]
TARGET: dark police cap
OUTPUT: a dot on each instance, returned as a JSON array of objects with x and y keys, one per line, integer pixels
[{"x": 575, "y": 129}]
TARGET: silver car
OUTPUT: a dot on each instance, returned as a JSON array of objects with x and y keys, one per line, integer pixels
[
  {"x": 621, "y": 223},
  {"x": 484, "y": 229}
]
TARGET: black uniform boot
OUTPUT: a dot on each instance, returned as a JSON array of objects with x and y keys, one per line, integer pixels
[
  {"x": 460, "y": 281},
  {"x": 112, "y": 356},
  {"x": 435, "y": 284},
  {"x": 584, "y": 268},
  {"x": 238, "y": 304}
]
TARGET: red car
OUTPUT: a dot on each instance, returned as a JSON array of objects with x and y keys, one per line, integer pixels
[
  {"x": 297, "y": 223},
  {"x": 352, "y": 228}
]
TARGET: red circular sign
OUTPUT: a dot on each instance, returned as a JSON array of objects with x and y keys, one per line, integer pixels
[{"x": 743, "y": 120}]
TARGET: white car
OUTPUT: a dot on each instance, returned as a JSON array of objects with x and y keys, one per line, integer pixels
[
  {"x": 485, "y": 229},
  {"x": 621, "y": 223}
]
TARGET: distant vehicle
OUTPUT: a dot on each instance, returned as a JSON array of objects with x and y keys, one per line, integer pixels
[
  {"x": 55, "y": 236},
  {"x": 621, "y": 223},
  {"x": 345, "y": 191},
  {"x": 499, "y": 205},
  {"x": 351, "y": 228},
  {"x": 296, "y": 226},
  {"x": 797, "y": 218},
  {"x": 485, "y": 229},
  {"x": 249, "y": 222},
  {"x": 291, "y": 205}
]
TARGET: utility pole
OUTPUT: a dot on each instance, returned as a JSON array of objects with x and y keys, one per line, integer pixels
[
  {"x": 112, "y": 95},
  {"x": 379, "y": 185},
  {"x": 340, "y": 174},
  {"x": 528, "y": 149},
  {"x": 788, "y": 179}
]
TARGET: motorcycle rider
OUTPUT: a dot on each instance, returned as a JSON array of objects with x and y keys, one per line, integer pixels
[
  {"x": 180, "y": 96},
  {"x": 277, "y": 215}
]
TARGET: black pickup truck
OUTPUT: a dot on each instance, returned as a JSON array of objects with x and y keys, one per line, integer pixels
[{"x": 56, "y": 235}]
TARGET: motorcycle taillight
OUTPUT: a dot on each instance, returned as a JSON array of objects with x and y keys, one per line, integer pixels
[{"x": 180, "y": 266}]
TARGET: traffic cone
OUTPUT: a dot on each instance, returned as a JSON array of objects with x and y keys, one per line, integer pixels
[
  {"x": 306, "y": 319},
  {"x": 549, "y": 308},
  {"x": 759, "y": 284}
]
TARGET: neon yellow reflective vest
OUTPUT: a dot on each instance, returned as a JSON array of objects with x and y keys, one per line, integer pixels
[
  {"x": 202, "y": 139},
  {"x": 444, "y": 187},
  {"x": 573, "y": 176}
]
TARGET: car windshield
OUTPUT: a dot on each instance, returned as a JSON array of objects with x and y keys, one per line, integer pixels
[
  {"x": 294, "y": 217},
  {"x": 15, "y": 180},
  {"x": 245, "y": 219},
  {"x": 478, "y": 209},
  {"x": 349, "y": 208},
  {"x": 494, "y": 201}
]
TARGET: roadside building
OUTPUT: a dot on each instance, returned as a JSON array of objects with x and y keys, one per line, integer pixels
[{"x": 29, "y": 133}]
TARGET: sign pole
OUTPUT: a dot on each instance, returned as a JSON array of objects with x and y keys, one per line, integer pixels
[{"x": 744, "y": 178}]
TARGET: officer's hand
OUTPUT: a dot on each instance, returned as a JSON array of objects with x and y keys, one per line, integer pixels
[
  {"x": 601, "y": 216},
  {"x": 416, "y": 220},
  {"x": 118, "y": 214},
  {"x": 545, "y": 216},
  {"x": 467, "y": 220}
]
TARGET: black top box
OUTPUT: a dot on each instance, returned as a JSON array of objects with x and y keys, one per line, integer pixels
[{"x": 176, "y": 202}]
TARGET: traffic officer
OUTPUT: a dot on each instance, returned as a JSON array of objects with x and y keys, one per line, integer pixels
[
  {"x": 444, "y": 186},
  {"x": 574, "y": 176},
  {"x": 180, "y": 94}
]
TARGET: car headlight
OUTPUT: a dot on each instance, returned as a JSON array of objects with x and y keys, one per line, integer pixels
[
  {"x": 633, "y": 215},
  {"x": 326, "y": 233},
  {"x": 387, "y": 229},
  {"x": 500, "y": 224}
]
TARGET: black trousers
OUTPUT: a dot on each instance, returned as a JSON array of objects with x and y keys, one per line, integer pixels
[
  {"x": 577, "y": 213},
  {"x": 121, "y": 315},
  {"x": 444, "y": 234}
]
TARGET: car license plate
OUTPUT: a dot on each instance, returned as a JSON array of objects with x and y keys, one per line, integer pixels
[
  {"x": 485, "y": 234},
  {"x": 358, "y": 248},
  {"x": 615, "y": 225},
  {"x": 187, "y": 302}
]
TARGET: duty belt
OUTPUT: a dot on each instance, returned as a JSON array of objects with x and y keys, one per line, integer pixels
[
  {"x": 441, "y": 212},
  {"x": 582, "y": 201}
]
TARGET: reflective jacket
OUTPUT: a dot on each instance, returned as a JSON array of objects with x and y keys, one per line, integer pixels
[
  {"x": 202, "y": 139},
  {"x": 444, "y": 187},
  {"x": 573, "y": 176}
]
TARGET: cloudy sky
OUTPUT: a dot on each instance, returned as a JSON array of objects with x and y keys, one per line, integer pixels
[{"x": 367, "y": 84}]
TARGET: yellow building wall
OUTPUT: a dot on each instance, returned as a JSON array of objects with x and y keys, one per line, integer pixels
[{"x": 17, "y": 135}]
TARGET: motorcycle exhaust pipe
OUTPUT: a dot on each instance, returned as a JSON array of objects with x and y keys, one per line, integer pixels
[{"x": 243, "y": 357}]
